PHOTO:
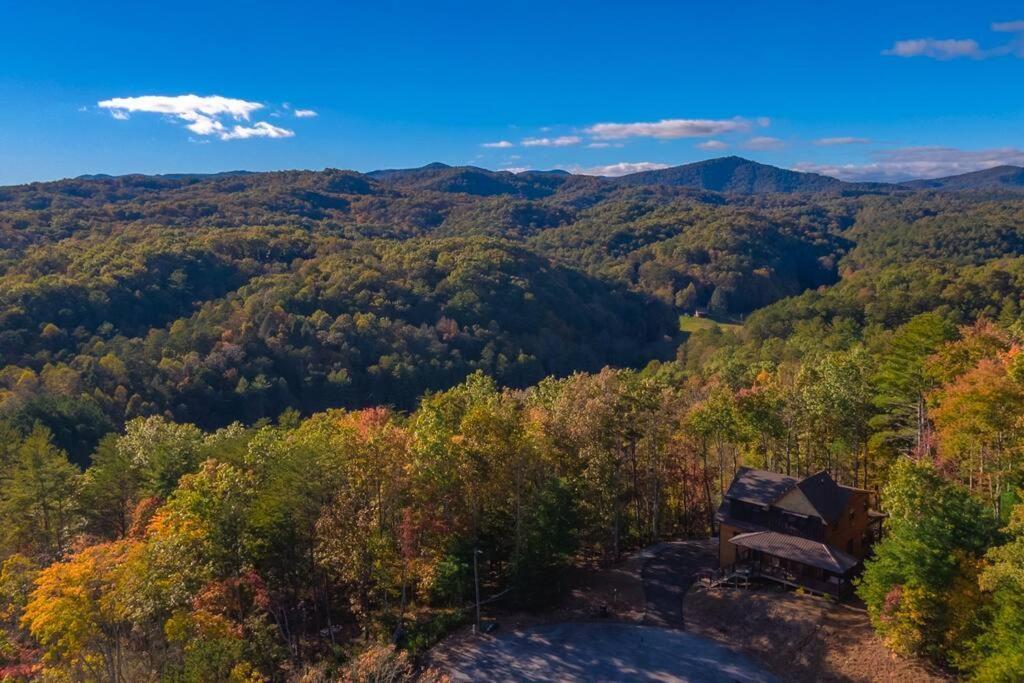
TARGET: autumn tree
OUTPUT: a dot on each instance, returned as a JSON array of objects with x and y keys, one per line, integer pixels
[{"x": 76, "y": 613}]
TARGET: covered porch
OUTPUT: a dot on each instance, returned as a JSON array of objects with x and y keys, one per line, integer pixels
[{"x": 795, "y": 561}]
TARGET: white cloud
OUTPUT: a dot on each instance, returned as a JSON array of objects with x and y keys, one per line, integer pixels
[
  {"x": 515, "y": 169},
  {"x": 936, "y": 49},
  {"x": 763, "y": 142},
  {"x": 843, "y": 140},
  {"x": 955, "y": 48},
  {"x": 305, "y": 113},
  {"x": 624, "y": 168},
  {"x": 1009, "y": 26},
  {"x": 202, "y": 114},
  {"x": 185, "y": 106},
  {"x": 260, "y": 129},
  {"x": 712, "y": 145},
  {"x": 909, "y": 163},
  {"x": 669, "y": 129},
  {"x": 562, "y": 141},
  {"x": 500, "y": 144}
]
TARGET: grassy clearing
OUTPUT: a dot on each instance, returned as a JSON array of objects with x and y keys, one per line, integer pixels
[{"x": 690, "y": 324}]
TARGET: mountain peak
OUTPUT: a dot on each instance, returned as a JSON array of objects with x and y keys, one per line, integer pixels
[{"x": 733, "y": 174}]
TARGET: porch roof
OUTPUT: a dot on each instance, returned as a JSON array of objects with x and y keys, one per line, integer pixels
[{"x": 797, "y": 549}]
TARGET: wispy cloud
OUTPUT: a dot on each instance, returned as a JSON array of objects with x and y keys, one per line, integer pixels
[
  {"x": 669, "y": 129},
  {"x": 561, "y": 141},
  {"x": 950, "y": 48},
  {"x": 957, "y": 48},
  {"x": 623, "y": 168},
  {"x": 1009, "y": 26},
  {"x": 305, "y": 113},
  {"x": 713, "y": 145},
  {"x": 763, "y": 142},
  {"x": 500, "y": 144},
  {"x": 260, "y": 129},
  {"x": 842, "y": 140},
  {"x": 203, "y": 115},
  {"x": 908, "y": 163}
]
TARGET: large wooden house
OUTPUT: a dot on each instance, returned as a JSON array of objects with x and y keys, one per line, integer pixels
[{"x": 810, "y": 532}]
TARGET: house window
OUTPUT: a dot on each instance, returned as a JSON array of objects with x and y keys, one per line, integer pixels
[{"x": 852, "y": 513}]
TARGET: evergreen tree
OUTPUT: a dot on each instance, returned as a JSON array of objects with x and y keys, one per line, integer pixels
[
  {"x": 902, "y": 382},
  {"x": 108, "y": 490},
  {"x": 922, "y": 584},
  {"x": 1000, "y": 649},
  {"x": 36, "y": 502}
]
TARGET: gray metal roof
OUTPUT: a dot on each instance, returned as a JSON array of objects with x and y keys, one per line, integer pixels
[
  {"x": 797, "y": 549},
  {"x": 827, "y": 497},
  {"x": 760, "y": 487}
]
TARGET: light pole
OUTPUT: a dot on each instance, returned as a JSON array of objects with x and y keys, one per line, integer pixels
[{"x": 476, "y": 583}]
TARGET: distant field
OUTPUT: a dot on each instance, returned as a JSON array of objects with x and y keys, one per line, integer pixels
[{"x": 688, "y": 323}]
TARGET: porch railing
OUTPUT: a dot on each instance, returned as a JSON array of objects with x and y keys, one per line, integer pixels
[{"x": 836, "y": 588}]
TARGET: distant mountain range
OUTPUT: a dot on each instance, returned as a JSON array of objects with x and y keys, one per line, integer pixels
[
  {"x": 730, "y": 175},
  {"x": 1000, "y": 177}
]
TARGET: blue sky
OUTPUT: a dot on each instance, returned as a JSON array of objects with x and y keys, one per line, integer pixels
[{"x": 859, "y": 90}]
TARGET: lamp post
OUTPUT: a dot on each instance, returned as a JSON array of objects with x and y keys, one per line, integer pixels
[{"x": 476, "y": 583}]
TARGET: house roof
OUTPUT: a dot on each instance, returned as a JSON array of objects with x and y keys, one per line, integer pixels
[
  {"x": 760, "y": 487},
  {"x": 797, "y": 549},
  {"x": 825, "y": 495}
]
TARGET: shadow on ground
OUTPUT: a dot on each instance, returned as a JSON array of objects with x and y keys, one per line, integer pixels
[
  {"x": 598, "y": 652},
  {"x": 803, "y": 638}
]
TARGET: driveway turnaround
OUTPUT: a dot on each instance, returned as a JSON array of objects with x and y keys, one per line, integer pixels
[
  {"x": 667, "y": 575},
  {"x": 598, "y": 652}
]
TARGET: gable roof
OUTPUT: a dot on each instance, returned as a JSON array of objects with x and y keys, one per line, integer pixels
[
  {"x": 802, "y": 550},
  {"x": 827, "y": 497},
  {"x": 760, "y": 487}
]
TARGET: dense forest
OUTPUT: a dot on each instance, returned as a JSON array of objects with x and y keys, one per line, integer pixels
[{"x": 254, "y": 423}]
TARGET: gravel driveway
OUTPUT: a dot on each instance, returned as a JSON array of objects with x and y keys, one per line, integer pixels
[
  {"x": 668, "y": 574},
  {"x": 599, "y": 652},
  {"x": 603, "y": 651}
]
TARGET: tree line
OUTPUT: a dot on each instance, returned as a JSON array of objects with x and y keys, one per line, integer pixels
[
  {"x": 257, "y": 551},
  {"x": 251, "y": 552}
]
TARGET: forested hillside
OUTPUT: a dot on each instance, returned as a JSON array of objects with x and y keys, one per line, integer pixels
[{"x": 252, "y": 422}]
